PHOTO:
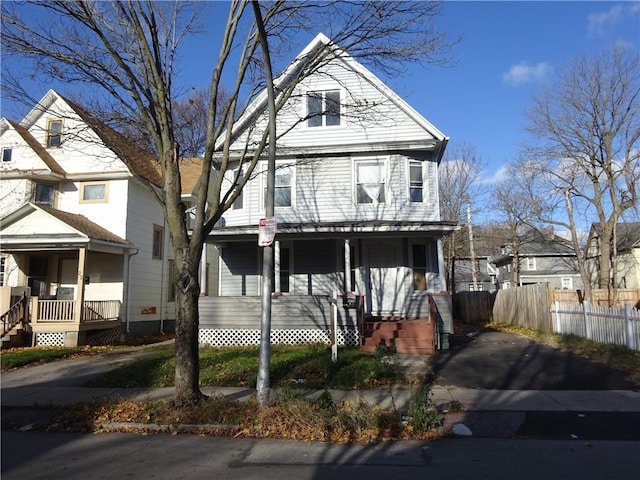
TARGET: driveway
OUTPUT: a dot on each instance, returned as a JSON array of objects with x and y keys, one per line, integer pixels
[{"x": 490, "y": 359}]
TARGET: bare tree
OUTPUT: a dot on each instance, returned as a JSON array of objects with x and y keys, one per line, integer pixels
[
  {"x": 128, "y": 49},
  {"x": 459, "y": 186},
  {"x": 581, "y": 163}
]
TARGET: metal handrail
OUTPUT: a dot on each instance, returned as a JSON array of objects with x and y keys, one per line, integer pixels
[{"x": 15, "y": 315}]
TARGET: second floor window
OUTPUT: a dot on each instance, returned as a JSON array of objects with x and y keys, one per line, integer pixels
[
  {"x": 238, "y": 203},
  {"x": 531, "y": 263},
  {"x": 323, "y": 109},
  {"x": 370, "y": 181},
  {"x": 158, "y": 233},
  {"x": 54, "y": 133},
  {"x": 44, "y": 194},
  {"x": 416, "y": 181},
  {"x": 283, "y": 191},
  {"x": 94, "y": 192}
]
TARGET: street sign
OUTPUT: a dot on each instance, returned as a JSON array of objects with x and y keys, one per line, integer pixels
[{"x": 266, "y": 231}]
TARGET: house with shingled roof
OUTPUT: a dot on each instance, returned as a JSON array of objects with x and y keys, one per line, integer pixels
[
  {"x": 82, "y": 235},
  {"x": 358, "y": 252}
]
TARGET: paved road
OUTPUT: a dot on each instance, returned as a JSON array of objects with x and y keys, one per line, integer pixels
[
  {"x": 44, "y": 456},
  {"x": 489, "y": 359}
]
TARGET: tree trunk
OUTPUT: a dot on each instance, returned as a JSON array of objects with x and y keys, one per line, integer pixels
[{"x": 187, "y": 374}]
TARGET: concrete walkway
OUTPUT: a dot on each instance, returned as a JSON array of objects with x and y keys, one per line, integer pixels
[{"x": 62, "y": 383}]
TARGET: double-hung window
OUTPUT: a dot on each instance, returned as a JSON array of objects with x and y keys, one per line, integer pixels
[
  {"x": 156, "y": 247},
  {"x": 238, "y": 203},
  {"x": 323, "y": 108},
  {"x": 371, "y": 178},
  {"x": 416, "y": 181},
  {"x": 54, "y": 133}
]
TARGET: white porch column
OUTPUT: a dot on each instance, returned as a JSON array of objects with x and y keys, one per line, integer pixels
[
  {"x": 347, "y": 265},
  {"x": 82, "y": 261},
  {"x": 276, "y": 266},
  {"x": 203, "y": 271}
]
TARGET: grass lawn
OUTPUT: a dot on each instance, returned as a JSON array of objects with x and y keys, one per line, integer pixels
[{"x": 308, "y": 366}]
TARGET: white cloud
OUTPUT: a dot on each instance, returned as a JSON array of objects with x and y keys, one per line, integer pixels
[
  {"x": 600, "y": 23},
  {"x": 525, "y": 73}
]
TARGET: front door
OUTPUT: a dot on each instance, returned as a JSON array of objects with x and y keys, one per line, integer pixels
[{"x": 385, "y": 295}]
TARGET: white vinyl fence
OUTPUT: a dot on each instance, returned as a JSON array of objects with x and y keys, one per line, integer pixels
[{"x": 614, "y": 325}]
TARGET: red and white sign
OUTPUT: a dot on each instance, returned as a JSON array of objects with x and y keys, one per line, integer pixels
[{"x": 266, "y": 231}]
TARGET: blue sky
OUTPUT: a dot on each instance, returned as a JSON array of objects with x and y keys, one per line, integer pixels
[{"x": 508, "y": 49}]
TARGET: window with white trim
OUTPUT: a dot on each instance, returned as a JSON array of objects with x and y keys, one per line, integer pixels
[
  {"x": 238, "y": 203},
  {"x": 531, "y": 263},
  {"x": 323, "y": 108},
  {"x": 371, "y": 180},
  {"x": 416, "y": 181},
  {"x": 54, "y": 133},
  {"x": 566, "y": 283},
  {"x": 282, "y": 192}
]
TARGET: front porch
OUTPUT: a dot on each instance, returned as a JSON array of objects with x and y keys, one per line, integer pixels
[{"x": 37, "y": 322}]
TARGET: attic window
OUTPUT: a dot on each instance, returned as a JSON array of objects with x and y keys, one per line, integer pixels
[
  {"x": 323, "y": 108},
  {"x": 54, "y": 133},
  {"x": 6, "y": 154}
]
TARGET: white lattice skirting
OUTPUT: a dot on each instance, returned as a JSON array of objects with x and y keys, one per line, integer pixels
[
  {"x": 50, "y": 339},
  {"x": 225, "y": 337}
]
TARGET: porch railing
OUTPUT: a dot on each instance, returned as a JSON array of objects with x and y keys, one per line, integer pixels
[
  {"x": 15, "y": 315},
  {"x": 64, "y": 311}
]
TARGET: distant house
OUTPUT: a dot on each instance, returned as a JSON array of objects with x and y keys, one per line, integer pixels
[
  {"x": 486, "y": 273},
  {"x": 627, "y": 273},
  {"x": 541, "y": 257},
  {"x": 83, "y": 234},
  {"x": 357, "y": 211}
]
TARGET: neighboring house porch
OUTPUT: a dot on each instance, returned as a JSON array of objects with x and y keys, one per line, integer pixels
[{"x": 72, "y": 272}]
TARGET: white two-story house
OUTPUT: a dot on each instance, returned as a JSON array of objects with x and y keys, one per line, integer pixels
[
  {"x": 356, "y": 206},
  {"x": 82, "y": 233}
]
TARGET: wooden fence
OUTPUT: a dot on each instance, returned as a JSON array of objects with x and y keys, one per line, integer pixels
[
  {"x": 600, "y": 297},
  {"x": 474, "y": 306},
  {"x": 527, "y": 306},
  {"x": 612, "y": 325}
]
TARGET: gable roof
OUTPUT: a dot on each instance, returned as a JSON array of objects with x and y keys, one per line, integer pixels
[
  {"x": 321, "y": 46},
  {"x": 37, "y": 147},
  {"x": 627, "y": 235},
  {"x": 84, "y": 227},
  {"x": 141, "y": 163}
]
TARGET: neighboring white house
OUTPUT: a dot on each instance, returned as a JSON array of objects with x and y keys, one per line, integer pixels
[
  {"x": 356, "y": 204},
  {"x": 627, "y": 271},
  {"x": 82, "y": 233}
]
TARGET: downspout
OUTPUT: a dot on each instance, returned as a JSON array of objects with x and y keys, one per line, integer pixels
[
  {"x": 163, "y": 305},
  {"x": 128, "y": 290}
]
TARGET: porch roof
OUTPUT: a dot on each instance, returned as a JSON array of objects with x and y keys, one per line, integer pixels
[
  {"x": 370, "y": 229},
  {"x": 38, "y": 227}
]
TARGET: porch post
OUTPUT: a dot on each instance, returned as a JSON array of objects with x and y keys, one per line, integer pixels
[
  {"x": 276, "y": 267},
  {"x": 82, "y": 259},
  {"x": 203, "y": 271},
  {"x": 347, "y": 265}
]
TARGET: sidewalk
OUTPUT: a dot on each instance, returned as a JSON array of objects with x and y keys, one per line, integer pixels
[{"x": 61, "y": 383}]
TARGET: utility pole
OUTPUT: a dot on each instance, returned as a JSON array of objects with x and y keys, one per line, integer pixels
[
  {"x": 263, "y": 385},
  {"x": 472, "y": 251}
]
